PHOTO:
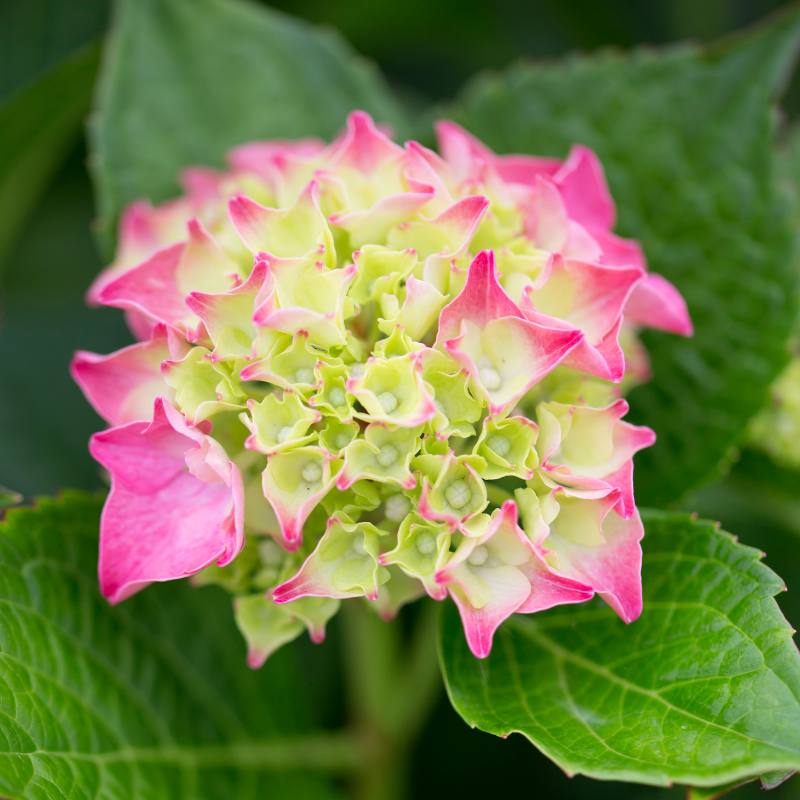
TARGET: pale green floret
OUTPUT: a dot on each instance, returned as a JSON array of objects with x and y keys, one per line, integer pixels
[
  {"x": 331, "y": 397},
  {"x": 397, "y": 507},
  {"x": 478, "y": 556},
  {"x": 457, "y": 494},
  {"x": 421, "y": 548},
  {"x": 457, "y": 408},
  {"x": 336, "y": 434},
  {"x": 348, "y": 558},
  {"x": 383, "y": 455},
  {"x": 387, "y": 456},
  {"x": 396, "y": 344},
  {"x": 426, "y": 543},
  {"x": 490, "y": 378},
  {"x": 388, "y": 401},
  {"x": 453, "y": 484},
  {"x": 293, "y": 362},
  {"x": 203, "y": 387},
  {"x": 380, "y": 272},
  {"x": 507, "y": 445},
  {"x": 392, "y": 390},
  {"x": 279, "y": 425},
  {"x": 311, "y": 472}
]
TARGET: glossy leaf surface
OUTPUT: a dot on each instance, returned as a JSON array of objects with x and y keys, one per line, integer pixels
[
  {"x": 703, "y": 689},
  {"x": 184, "y": 80},
  {"x": 151, "y": 699}
]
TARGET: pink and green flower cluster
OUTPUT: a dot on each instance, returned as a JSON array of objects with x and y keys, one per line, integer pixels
[{"x": 367, "y": 370}]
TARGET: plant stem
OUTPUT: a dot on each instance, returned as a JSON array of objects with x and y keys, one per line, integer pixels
[{"x": 391, "y": 688}]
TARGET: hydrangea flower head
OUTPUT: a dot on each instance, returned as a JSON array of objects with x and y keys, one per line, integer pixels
[{"x": 367, "y": 370}]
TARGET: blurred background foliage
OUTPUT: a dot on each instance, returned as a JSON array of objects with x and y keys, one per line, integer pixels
[{"x": 427, "y": 49}]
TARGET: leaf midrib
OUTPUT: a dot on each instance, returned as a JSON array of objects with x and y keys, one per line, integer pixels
[{"x": 335, "y": 752}]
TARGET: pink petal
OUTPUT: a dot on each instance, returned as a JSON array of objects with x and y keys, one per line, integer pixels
[
  {"x": 143, "y": 229},
  {"x": 549, "y": 588},
  {"x": 150, "y": 288},
  {"x": 373, "y": 225},
  {"x": 123, "y": 386},
  {"x": 614, "y": 569},
  {"x": 270, "y": 157},
  {"x": 605, "y": 360},
  {"x": 525, "y": 169},
  {"x": 597, "y": 294},
  {"x": 619, "y": 252},
  {"x": 253, "y": 221},
  {"x": 481, "y": 300},
  {"x": 465, "y": 154},
  {"x": 628, "y": 439},
  {"x": 508, "y": 592},
  {"x": 364, "y": 147},
  {"x": 549, "y": 223},
  {"x": 233, "y": 308},
  {"x": 656, "y": 303},
  {"x": 161, "y": 522},
  {"x": 158, "y": 286},
  {"x": 583, "y": 186}
]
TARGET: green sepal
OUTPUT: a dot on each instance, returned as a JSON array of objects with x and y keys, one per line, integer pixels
[
  {"x": 422, "y": 547},
  {"x": 384, "y": 454},
  {"x": 292, "y": 364},
  {"x": 277, "y": 425},
  {"x": 331, "y": 397},
  {"x": 380, "y": 272},
  {"x": 398, "y": 591},
  {"x": 203, "y": 387},
  {"x": 336, "y": 435},
  {"x": 507, "y": 445},
  {"x": 361, "y": 497},
  {"x": 396, "y": 344},
  {"x": 456, "y": 408},
  {"x": 265, "y": 626}
]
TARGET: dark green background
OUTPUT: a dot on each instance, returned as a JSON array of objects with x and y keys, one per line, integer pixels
[{"x": 427, "y": 50}]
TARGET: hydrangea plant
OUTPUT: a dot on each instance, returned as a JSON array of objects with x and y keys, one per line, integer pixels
[{"x": 367, "y": 370}]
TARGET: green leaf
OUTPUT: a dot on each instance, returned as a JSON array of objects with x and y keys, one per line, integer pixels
[
  {"x": 703, "y": 689},
  {"x": 687, "y": 140},
  {"x": 151, "y": 699},
  {"x": 37, "y": 128},
  {"x": 184, "y": 80}
]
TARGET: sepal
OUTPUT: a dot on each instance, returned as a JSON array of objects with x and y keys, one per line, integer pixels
[{"x": 344, "y": 564}]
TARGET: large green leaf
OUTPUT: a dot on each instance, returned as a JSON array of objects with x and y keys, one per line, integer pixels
[
  {"x": 703, "y": 689},
  {"x": 37, "y": 128},
  {"x": 184, "y": 80},
  {"x": 147, "y": 700},
  {"x": 687, "y": 139}
]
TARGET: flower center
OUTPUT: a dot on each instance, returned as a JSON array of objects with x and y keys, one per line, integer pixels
[
  {"x": 388, "y": 401},
  {"x": 357, "y": 369},
  {"x": 312, "y": 472},
  {"x": 426, "y": 543},
  {"x": 304, "y": 375},
  {"x": 490, "y": 378},
  {"x": 397, "y": 506},
  {"x": 457, "y": 494},
  {"x": 283, "y": 433},
  {"x": 387, "y": 456},
  {"x": 342, "y": 440},
  {"x": 499, "y": 444},
  {"x": 336, "y": 396},
  {"x": 478, "y": 556}
]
